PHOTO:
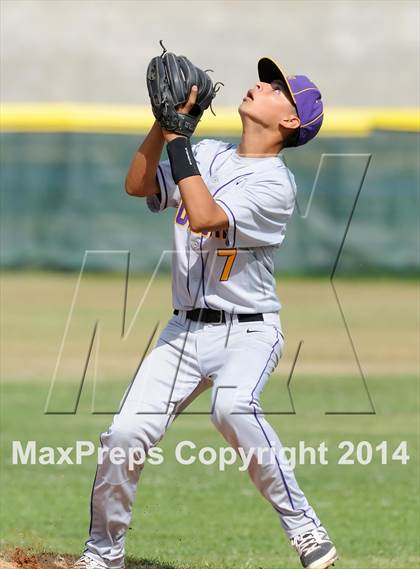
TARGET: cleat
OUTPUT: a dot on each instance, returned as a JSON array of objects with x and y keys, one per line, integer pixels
[
  {"x": 315, "y": 549},
  {"x": 86, "y": 562}
]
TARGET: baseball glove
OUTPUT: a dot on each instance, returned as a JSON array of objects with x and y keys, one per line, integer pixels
[{"x": 170, "y": 78}]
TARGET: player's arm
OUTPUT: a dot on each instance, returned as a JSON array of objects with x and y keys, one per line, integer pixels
[
  {"x": 204, "y": 214},
  {"x": 141, "y": 176}
]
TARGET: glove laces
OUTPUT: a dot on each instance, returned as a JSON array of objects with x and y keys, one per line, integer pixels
[
  {"x": 216, "y": 87},
  {"x": 163, "y": 47}
]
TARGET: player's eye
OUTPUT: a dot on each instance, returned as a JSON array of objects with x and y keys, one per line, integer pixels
[{"x": 276, "y": 86}]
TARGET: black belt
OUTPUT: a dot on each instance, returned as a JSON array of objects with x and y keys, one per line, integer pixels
[{"x": 217, "y": 316}]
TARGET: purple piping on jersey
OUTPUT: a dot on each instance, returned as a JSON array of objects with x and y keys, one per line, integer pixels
[
  {"x": 230, "y": 181},
  {"x": 216, "y": 155},
  {"x": 203, "y": 272},
  {"x": 188, "y": 274},
  {"x": 234, "y": 230},
  {"x": 234, "y": 234},
  {"x": 253, "y": 403},
  {"x": 165, "y": 204},
  {"x": 234, "y": 220}
]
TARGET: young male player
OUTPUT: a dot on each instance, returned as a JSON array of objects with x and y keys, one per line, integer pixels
[{"x": 233, "y": 203}]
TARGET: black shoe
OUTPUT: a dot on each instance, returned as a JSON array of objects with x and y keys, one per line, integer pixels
[{"x": 315, "y": 549}]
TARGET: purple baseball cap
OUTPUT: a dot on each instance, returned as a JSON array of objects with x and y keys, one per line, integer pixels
[{"x": 305, "y": 95}]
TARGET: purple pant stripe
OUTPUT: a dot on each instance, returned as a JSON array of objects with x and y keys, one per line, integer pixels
[
  {"x": 252, "y": 402},
  {"x": 93, "y": 489},
  {"x": 265, "y": 367}
]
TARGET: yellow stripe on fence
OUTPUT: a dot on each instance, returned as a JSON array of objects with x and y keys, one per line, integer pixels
[{"x": 69, "y": 117}]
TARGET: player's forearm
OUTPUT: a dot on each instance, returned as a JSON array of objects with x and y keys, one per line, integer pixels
[
  {"x": 204, "y": 214},
  {"x": 141, "y": 176}
]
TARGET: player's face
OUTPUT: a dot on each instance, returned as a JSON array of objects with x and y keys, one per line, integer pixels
[{"x": 267, "y": 105}]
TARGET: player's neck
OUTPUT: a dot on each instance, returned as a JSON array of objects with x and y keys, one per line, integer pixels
[{"x": 258, "y": 145}]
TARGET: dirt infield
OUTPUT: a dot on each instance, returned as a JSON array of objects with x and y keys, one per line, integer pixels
[{"x": 28, "y": 559}]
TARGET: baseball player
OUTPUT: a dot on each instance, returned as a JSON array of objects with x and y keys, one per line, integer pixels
[{"x": 232, "y": 204}]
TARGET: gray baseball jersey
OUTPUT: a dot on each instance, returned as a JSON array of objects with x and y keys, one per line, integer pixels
[{"x": 233, "y": 271}]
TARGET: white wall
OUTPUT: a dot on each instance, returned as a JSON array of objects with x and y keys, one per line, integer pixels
[{"x": 359, "y": 52}]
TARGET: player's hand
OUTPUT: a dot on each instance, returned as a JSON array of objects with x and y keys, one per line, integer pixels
[
  {"x": 192, "y": 99},
  {"x": 183, "y": 109}
]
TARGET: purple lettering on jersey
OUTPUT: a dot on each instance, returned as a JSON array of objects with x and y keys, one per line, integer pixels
[
  {"x": 181, "y": 215},
  {"x": 181, "y": 218}
]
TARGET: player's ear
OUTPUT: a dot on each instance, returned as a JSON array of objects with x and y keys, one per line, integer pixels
[{"x": 291, "y": 121}]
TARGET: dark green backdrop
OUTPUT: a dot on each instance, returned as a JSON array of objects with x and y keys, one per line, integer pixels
[{"x": 62, "y": 194}]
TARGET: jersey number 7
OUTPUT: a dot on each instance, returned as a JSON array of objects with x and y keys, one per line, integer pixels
[{"x": 230, "y": 255}]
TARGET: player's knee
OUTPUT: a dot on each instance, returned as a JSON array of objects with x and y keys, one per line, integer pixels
[
  {"x": 223, "y": 408},
  {"x": 126, "y": 437},
  {"x": 118, "y": 437},
  {"x": 230, "y": 408}
]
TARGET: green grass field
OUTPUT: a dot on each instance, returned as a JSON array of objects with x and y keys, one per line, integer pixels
[{"x": 196, "y": 516}]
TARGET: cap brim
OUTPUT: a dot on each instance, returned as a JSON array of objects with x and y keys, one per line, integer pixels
[{"x": 269, "y": 71}]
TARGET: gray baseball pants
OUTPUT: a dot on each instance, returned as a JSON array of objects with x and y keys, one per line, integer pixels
[{"x": 237, "y": 358}]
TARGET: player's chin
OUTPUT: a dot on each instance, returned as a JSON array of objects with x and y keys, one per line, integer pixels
[{"x": 243, "y": 108}]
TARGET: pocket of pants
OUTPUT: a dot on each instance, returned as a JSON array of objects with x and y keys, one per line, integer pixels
[
  {"x": 277, "y": 343},
  {"x": 280, "y": 347},
  {"x": 171, "y": 332},
  {"x": 271, "y": 336}
]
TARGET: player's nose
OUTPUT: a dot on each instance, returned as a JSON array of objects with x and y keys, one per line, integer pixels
[{"x": 260, "y": 87}]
